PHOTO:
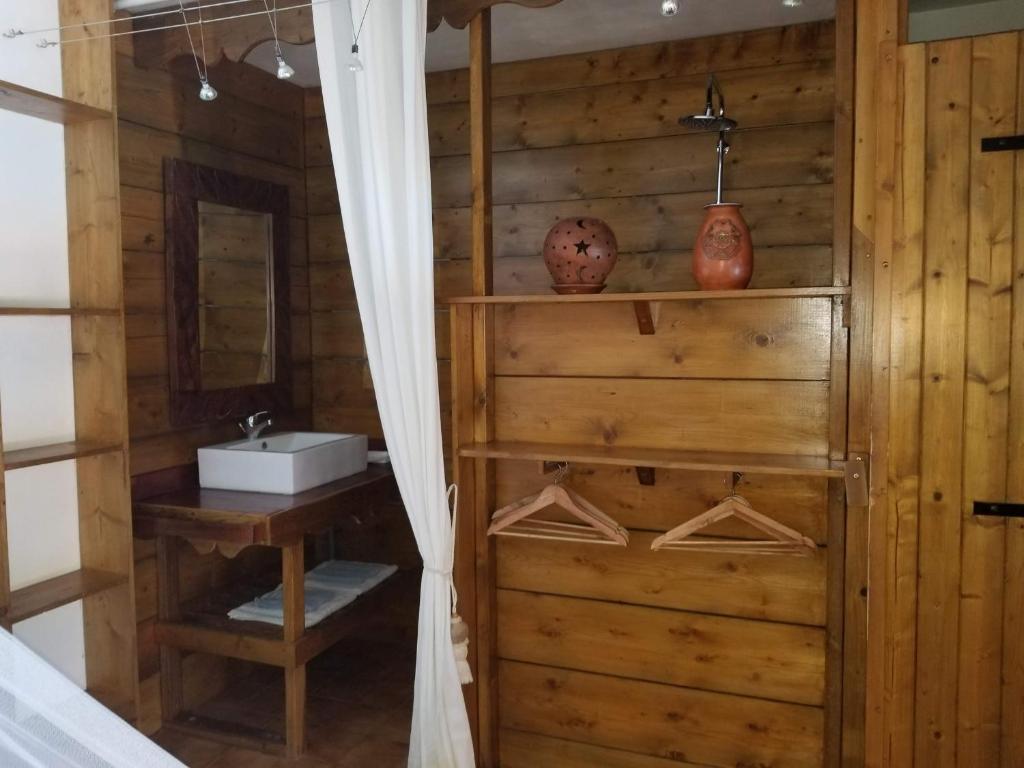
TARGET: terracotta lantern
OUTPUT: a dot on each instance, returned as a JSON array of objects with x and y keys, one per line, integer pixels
[
  {"x": 723, "y": 256},
  {"x": 579, "y": 254}
]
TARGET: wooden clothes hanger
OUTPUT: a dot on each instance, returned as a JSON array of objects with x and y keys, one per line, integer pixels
[
  {"x": 784, "y": 540},
  {"x": 595, "y": 527}
]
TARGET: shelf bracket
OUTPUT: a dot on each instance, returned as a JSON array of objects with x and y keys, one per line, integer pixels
[
  {"x": 645, "y": 475},
  {"x": 646, "y": 316},
  {"x": 856, "y": 468}
]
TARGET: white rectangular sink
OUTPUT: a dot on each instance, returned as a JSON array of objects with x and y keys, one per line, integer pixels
[{"x": 290, "y": 462}]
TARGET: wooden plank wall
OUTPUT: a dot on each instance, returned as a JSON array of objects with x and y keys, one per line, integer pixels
[
  {"x": 955, "y": 676},
  {"x": 627, "y": 657},
  {"x": 596, "y": 134},
  {"x": 254, "y": 128}
]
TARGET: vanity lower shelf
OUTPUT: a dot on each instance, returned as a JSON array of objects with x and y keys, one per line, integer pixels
[{"x": 204, "y": 626}]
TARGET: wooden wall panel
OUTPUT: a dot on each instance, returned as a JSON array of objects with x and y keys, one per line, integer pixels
[
  {"x": 905, "y": 403},
  {"x": 596, "y": 134},
  {"x": 761, "y": 157},
  {"x": 638, "y": 110},
  {"x": 947, "y": 110},
  {"x": 755, "y": 658},
  {"x": 755, "y": 416},
  {"x": 1012, "y": 716},
  {"x": 781, "y": 589},
  {"x": 531, "y": 750},
  {"x": 640, "y": 171},
  {"x": 807, "y": 43},
  {"x": 986, "y": 398},
  {"x": 664, "y": 720},
  {"x": 255, "y": 128},
  {"x": 737, "y": 339}
]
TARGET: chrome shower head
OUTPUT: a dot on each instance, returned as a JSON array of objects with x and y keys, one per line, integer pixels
[
  {"x": 712, "y": 119},
  {"x": 708, "y": 122}
]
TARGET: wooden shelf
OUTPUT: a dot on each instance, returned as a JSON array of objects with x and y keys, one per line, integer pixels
[
  {"x": 48, "y": 454},
  {"x": 204, "y": 626},
  {"x": 46, "y": 106},
  {"x": 602, "y": 298},
  {"x": 53, "y": 593},
  {"x": 56, "y": 312},
  {"x": 753, "y": 463}
]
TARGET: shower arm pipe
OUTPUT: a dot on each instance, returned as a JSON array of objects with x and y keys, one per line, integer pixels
[
  {"x": 723, "y": 150},
  {"x": 723, "y": 146},
  {"x": 715, "y": 89}
]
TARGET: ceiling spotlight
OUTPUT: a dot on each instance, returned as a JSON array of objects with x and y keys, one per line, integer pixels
[
  {"x": 792, "y": 3},
  {"x": 669, "y": 7},
  {"x": 284, "y": 72},
  {"x": 354, "y": 63},
  {"x": 207, "y": 92}
]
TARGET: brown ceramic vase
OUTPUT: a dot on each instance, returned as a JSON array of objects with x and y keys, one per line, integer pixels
[
  {"x": 579, "y": 254},
  {"x": 723, "y": 256}
]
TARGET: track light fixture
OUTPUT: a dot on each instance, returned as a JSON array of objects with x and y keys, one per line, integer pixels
[
  {"x": 207, "y": 92},
  {"x": 284, "y": 71},
  {"x": 354, "y": 62}
]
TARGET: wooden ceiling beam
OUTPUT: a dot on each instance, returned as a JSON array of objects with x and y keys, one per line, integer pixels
[{"x": 234, "y": 39}]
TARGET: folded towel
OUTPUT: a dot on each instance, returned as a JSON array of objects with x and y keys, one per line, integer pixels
[
  {"x": 349, "y": 575},
  {"x": 378, "y": 457},
  {"x": 329, "y": 587},
  {"x": 269, "y": 608}
]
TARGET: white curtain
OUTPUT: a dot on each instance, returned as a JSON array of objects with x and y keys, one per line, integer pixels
[{"x": 377, "y": 122}]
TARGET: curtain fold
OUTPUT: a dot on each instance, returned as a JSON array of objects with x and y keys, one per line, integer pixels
[
  {"x": 377, "y": 123},
  {"x": 46, "y": 721}
]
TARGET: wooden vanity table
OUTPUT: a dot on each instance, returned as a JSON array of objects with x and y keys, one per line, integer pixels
[{"x": 230, "y": 521}]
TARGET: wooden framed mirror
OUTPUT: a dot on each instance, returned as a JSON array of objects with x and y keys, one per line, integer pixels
[{"x": 228, "y": 334}]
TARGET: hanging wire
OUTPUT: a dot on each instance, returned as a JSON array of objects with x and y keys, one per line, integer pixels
[
  {"x": 12, "y": 33},
  {"x": 204, "y": 73},
  {"x": 186, "y": 24},
  {"x": 272, "y": 18},
  {"x": 362, "y": 20}
]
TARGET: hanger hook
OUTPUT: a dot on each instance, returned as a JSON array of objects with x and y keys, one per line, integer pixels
[
  {"x": 562, "y": 472},
  {"x": 734, "y": 481}
]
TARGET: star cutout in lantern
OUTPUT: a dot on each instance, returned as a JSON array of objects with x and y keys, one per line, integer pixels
[{"x": 581, "y": 247}]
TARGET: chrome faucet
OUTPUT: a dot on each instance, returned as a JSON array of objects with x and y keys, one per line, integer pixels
[{"x": 254, "y": 425}]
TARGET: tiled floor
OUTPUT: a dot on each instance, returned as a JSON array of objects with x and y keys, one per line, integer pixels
[{"x": 358, "y": 711}]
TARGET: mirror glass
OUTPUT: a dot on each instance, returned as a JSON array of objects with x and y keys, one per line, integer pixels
[{"x": 236, "y": 334}]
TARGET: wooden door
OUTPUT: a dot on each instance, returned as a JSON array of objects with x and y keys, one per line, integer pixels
[{"x": 955, "y": 659}]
